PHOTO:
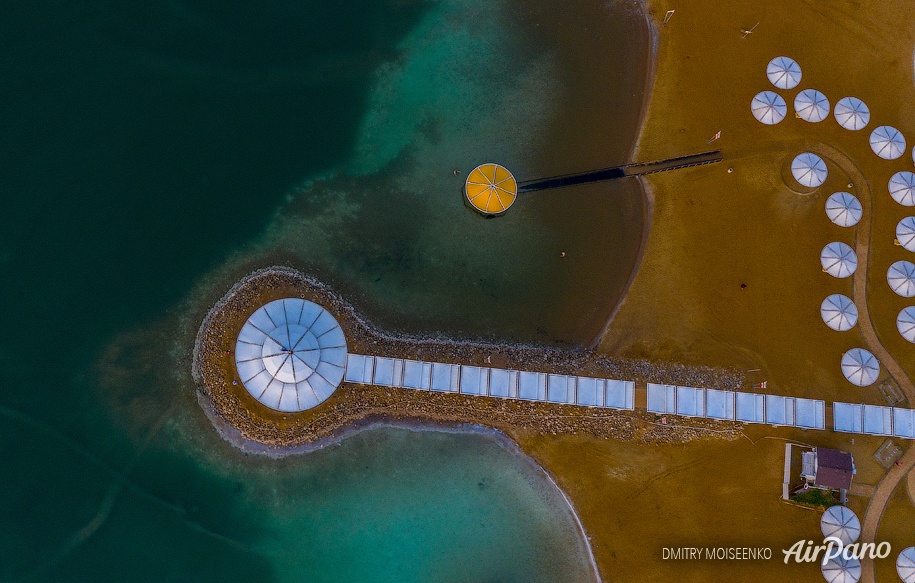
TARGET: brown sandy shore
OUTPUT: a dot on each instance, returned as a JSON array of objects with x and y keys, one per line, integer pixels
[{"x": 255, "y": 428}]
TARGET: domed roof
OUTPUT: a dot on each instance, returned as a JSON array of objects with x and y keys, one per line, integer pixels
[
  {"x": 838, "y": 260},
  {"x": 860, "y": 367},
  {"x": 784, "y": 73},
  {"x": 811, "y": 105},
  {"x": 809, "y": 169},
  {"x": 905, "y": 565},
  {"x": 841, "y": 570},
  {"x": 901, "y": 277},
  {"x": 902, "y": 188},
  {"x": 851, "y": 113},
  {"x": 841, "y": 523},
  {"x": 905, "y": 323},
  {"x": 905, "y": 233},
  {"x": 887, "y": 142},
  {"x": 843, "y": 209},
  {"x": 491, "y": 188},
  {"x": 839, "y": 312},
  {"x": 291, "y": 354},
  {"x": 769, "y": 107}
]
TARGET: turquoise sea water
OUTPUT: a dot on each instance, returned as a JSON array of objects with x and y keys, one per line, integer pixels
[{"x": 152, "y": 151}]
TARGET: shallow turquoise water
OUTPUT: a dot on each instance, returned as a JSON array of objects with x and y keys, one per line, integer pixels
[{"x": 154, "y": 150}]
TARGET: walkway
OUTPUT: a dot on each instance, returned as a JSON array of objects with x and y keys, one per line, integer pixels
[{"x": 620, "y": 171}]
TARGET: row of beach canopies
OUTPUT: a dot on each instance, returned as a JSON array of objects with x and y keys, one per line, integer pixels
[
  {"x": 838, "y": 259},
  {"x": 811, "y": 105}
]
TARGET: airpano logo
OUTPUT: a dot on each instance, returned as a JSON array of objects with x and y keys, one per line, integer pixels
[{"x": 807, "y": 552}]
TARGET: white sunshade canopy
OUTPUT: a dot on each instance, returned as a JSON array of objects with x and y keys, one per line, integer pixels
[
  {"x": 839, "y": 312},
  {"x": 841, "y": 523},
  {"x": 784, "y": 73},
  {"x": 905, "y": 233},
  {"x": 838, "y": 260},
  {"x": 843, "y": 209},
  {"x": 860, "y": 367},
  {"x": 905, "y": 323},
  {"x": 901, "y": 277},
  {"x": 841, "y": 570},
  {"x": 769, "y": 107},
  {"x": 902, "y": 188},
  {"x": 905, "y": 565},
  {"x": 851, "y": 113},
  {"x": 809, "y": 169},
  {"x": 811, "y": 105},
  {"x": 887, "y": 142},
  {"x": 291, "y": 354}
]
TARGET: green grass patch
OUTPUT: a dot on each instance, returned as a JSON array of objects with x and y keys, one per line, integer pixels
[{"x": 816, "y": 498}]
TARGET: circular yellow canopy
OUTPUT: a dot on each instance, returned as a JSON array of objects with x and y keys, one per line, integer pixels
[{"x": 490, "y": 188}]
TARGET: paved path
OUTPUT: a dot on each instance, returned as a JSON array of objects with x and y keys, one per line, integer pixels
[{"x": 891, "y": 479}]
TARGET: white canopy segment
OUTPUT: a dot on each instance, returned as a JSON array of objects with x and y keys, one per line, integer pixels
[
  {"x": 841, "y": 523},
  {"x": 809, "y": 169},
  {"x": 905, "y": 323},
  {"x": 902, "y": 188},
  {"x": 841, "y": 570},
  {"x": 860, "y": 367},
  {"x": 843, "y": 209},
  {"x": 784, "y": 73},
  {"x": 291, "y": 354},
  {"x": 838, "y": 260},
  {"x": 905, "y": 233},
  {"x": 901, "y": 277},
  {"x": 769, "y": 107},
  {"x": 811, "y": 105},
  {"x": 839, "y": 312},
  {"x": 887, "y": 142},
  {"x": 851, "y": 113},
  {"x": 905, "y": 565}
]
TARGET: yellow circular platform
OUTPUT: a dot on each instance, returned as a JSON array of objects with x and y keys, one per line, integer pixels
[{"x": 490, "y": 189}]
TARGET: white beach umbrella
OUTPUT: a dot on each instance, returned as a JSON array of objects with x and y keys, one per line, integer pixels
[
  {"x": 860, "y": 367},
  {"x": 811, "y": 105},
  {"x": 838, "y": 259},
  {"x": 905, "y": 323},
  {"x": 887, "y": 142},
  {"x": 901, "y": 277},
  {"x": 843, "y": 209},
  {"x": 809, "y": 169},
  {"x": 851, "y": 113},
  {"x": 905, "y": 233},
  {"x": 784, "y": 73},
  {"x": 839, "y": 312},
  {"x": 902, "y": 188},
  {"x": 841, "y": 523},
  {"x": 291, "y": 354},
  {"x": 905, "y": 565},
  {"x": 841, "y": 570},
  {"x": 769, "y": 107}
]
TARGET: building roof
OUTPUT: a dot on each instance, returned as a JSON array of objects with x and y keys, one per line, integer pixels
[
  {"x": 835, "y": 469},
  {"x": 784, "y": 72},
  {"x": 291, "y": 354},
  {"x": 769, "y": 107},
  {"x": 851, "y": 113}
]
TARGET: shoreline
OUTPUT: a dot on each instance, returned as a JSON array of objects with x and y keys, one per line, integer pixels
[
  {"x": 644, "y": 187},
  {"x": 242, "y": 421}
]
